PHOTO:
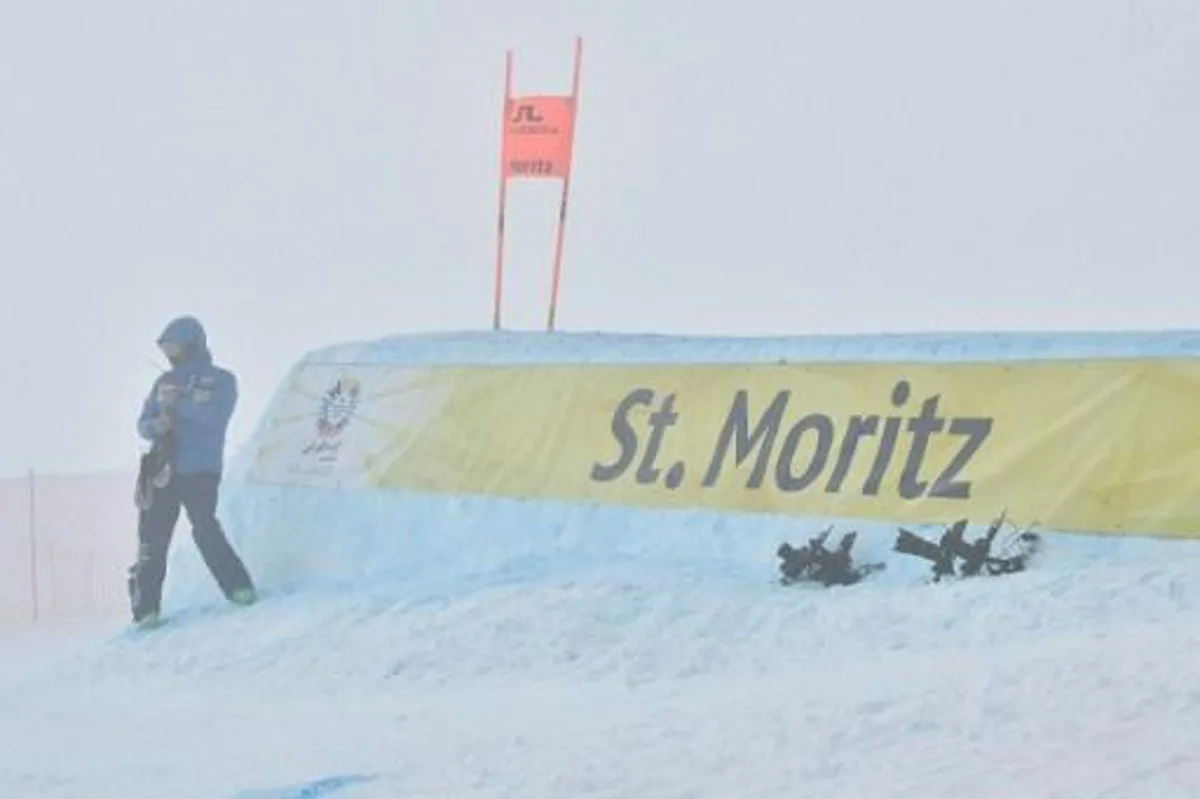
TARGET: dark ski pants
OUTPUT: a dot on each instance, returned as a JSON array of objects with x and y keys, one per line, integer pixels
[{"x": 197, "y": 495}]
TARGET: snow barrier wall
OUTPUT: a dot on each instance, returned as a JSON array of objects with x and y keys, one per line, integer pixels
[{"x": 409, "y": 454}]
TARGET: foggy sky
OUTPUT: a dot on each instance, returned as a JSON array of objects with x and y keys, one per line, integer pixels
[{"x": 302, "y": 173}]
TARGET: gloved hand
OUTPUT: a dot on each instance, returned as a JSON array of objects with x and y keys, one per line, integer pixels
[{"x": 161, "y": 424}]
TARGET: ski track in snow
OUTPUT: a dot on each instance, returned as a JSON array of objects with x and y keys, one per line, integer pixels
[{"x": 457, "y": 647}]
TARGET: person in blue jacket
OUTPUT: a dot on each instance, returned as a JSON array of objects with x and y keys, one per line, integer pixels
[{"x": 185, "y": 418}]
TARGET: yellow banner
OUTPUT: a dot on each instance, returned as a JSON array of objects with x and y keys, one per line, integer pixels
[{"x": 1102, "y": 446}]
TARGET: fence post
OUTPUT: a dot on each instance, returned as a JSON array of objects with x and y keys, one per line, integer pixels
[{"x": 33, "y": 544}]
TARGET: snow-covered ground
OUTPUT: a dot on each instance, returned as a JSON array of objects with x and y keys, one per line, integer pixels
[
  {"x": 1077, "y": 679},
  {"x": 455, "y": 647}
]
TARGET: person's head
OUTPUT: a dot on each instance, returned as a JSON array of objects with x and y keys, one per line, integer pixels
[{"x": 182, "y": 340}]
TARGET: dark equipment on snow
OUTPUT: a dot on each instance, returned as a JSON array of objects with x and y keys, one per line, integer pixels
[
  {"x": 154, "y": 470},
  {"x": 975, "y": 557},
  {"x": 814, "y": 563}
]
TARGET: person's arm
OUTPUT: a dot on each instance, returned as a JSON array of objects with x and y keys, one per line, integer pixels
[{"x": 153, "y": 421}]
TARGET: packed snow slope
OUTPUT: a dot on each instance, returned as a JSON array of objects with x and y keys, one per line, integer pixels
[{"x": 413, "y": 645}]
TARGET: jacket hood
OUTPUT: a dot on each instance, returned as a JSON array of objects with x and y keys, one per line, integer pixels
[{"x": 188, "y": 330}]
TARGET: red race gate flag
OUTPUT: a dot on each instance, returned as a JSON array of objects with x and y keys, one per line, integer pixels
[
  {"x": 538, "y": 143},
  {"x": 538, "y": 137}
]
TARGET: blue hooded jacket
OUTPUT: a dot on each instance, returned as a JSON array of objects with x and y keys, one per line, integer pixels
[{"x": 208, "y": 395}]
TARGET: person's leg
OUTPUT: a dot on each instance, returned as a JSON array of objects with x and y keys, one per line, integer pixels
[
  {"x": 156, "y": 525},
  {"x": 199, "y": 495}
]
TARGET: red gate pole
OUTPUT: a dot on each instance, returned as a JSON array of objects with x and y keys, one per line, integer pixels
[
  {"x": 566, "y": 188},
  {"x": 499, "y": 276}
]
